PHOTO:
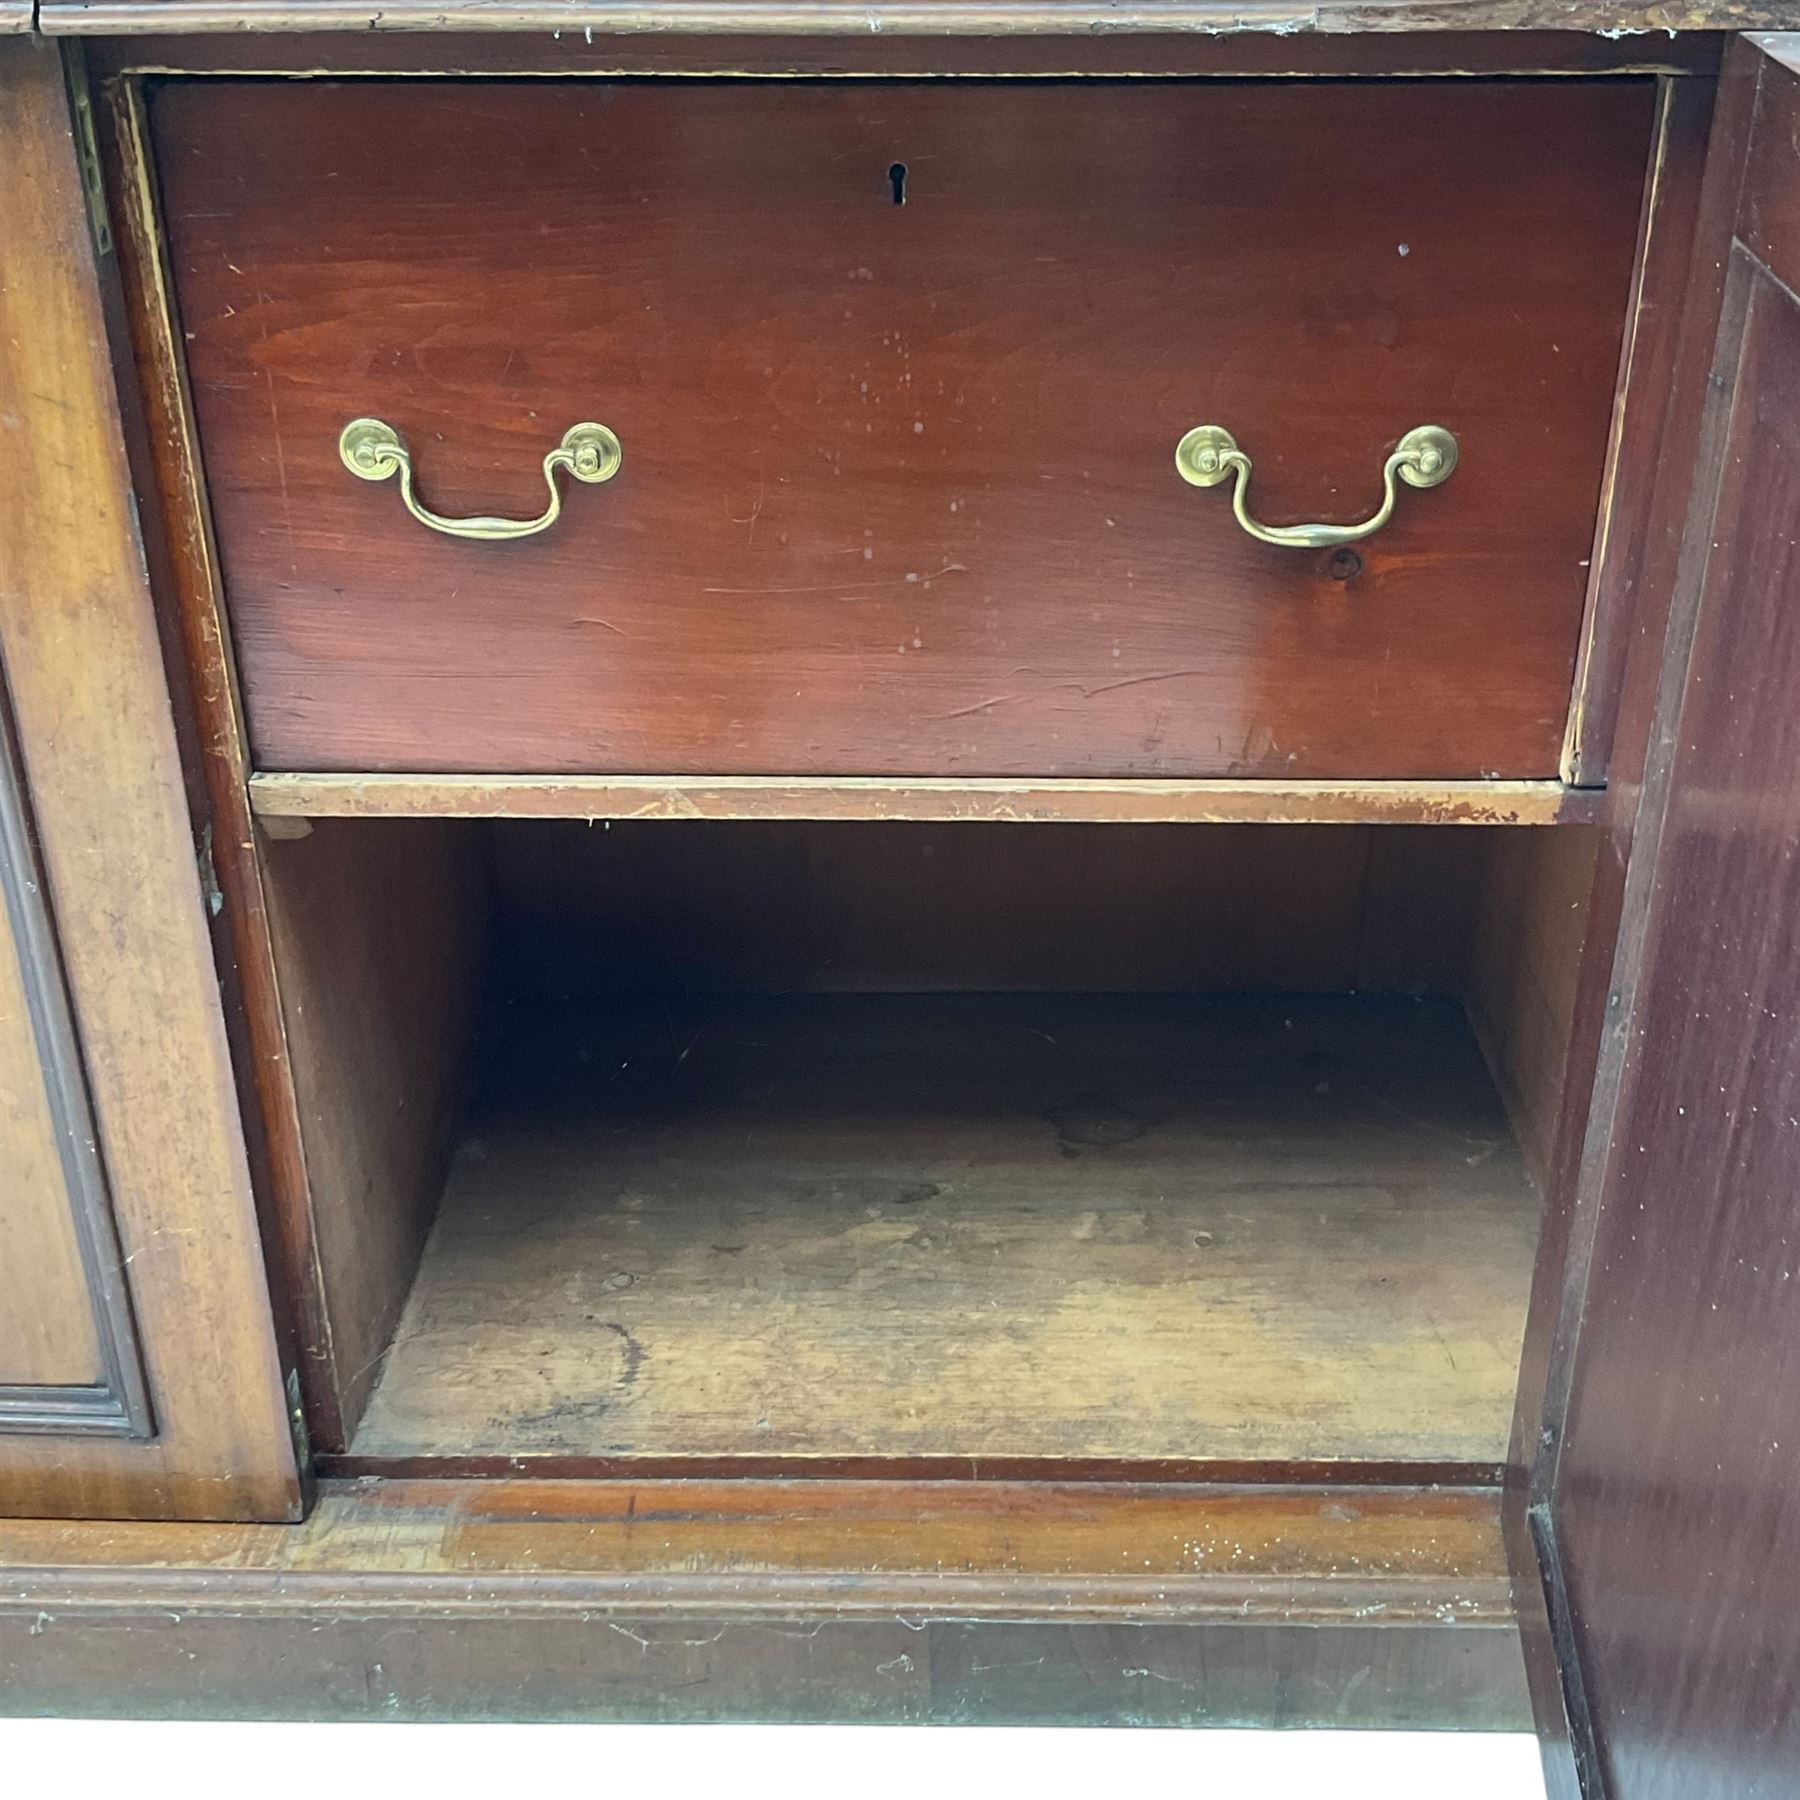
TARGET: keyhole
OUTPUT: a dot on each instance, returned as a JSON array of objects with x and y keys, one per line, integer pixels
[{"x": 897, "y": 181}]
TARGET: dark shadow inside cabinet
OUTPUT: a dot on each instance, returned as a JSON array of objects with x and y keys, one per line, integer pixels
[{"x": 973, "y": 1147}]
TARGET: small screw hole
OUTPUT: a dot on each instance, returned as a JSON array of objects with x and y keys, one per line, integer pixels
[
  {"x": 897, "y": 182},
  {"x": 1346, "y": 565}
]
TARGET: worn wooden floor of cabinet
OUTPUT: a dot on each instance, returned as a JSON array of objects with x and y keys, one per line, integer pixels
[{"x": 936, "y": 875}]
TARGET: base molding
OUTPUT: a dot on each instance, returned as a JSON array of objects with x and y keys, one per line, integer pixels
[{"x": 926, "y": 1602}]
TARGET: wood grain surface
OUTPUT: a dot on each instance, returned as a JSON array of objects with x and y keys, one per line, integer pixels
[
  {"x": 1602, "y": 1023},
  {"x": 1530, "y": 938},
  {"x": 388, "y": 937},
  {"x": 379, "y": 947},
  {"x": 945, "y": 1602},
  {"x": 84, "y": 672},
  {"x": 1126, "y": 801},
  {"x": 70, "y": 1359},
  {"x": 749, "y": 1547},
  {"x": 912, "y": 17},
  {"x": 1675, "y": 1504},
  {"x": 898, "y": 494},
  {"x": 1623, "y": 598},
  {"x": 1082, "y": 1227},
  {"x": 182, "y": 566},
  {"x": 47, "y": 1324},
  {"x": 46, "y": 1318},
  {"x": 862, "y": 52}
]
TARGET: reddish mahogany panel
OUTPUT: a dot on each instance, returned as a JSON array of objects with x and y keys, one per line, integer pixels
[
  {"x": 1677, "y": 1496},
  {"x": 899, "y": 370}
]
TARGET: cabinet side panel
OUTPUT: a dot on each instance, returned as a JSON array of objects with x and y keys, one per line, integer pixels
[
  {"x": 90, "y": 701},
  {"x": 379, "y": 936},
  {"x": 1525, "y": 970}
]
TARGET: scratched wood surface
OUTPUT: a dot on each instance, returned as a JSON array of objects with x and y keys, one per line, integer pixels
[
  {"x": 1168, "y": 51},
  {"x": 1087, "y": 1547},
  {"x": 1674, "y": 1490},
  {"x": 389, "y": 931},
  {"x": 1133, "y": 800},
  {"x": 1005, "y": 1226},
  {"x": 46, "y": 1316},
  {"x": 944, "y": 1602},
  {"x": 87, "y": 685},
  {"x": 898, "y": 493},
  {"x": 955, "y": 18}
]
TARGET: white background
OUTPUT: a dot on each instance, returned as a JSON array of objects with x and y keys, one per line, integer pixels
[{"x": 748, "y": 1762}]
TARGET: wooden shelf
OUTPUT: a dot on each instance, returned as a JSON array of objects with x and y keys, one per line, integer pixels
[
  {"x": 282, "y": 797},
  {"x": 1012, "y": 1230}
]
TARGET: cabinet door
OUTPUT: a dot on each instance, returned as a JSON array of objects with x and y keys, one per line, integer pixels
[
  {"x": 1670, "y": 1500},
  {"x": 69, "y": 1357},
  {"x": 139, "y": 1375}
]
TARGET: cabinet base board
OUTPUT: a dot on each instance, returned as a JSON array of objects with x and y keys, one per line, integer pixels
[
  {"x": 1166, "y": 1471},
  {"x": 947, "y": 1603}
]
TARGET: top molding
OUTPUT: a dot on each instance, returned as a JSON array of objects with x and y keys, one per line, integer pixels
[{"x": 904, "y": 18}]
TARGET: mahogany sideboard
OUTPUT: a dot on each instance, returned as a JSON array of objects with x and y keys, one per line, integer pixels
[{"x": 923, "y": 863}]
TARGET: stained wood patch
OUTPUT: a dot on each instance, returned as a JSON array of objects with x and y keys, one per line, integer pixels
[
  {"x": 843, "y": 1548},
  {"x": 911, "y": 18},
  {"x": 87, "y": 686},
  {"x": 752, "y": 797},
  {"x": 948, "y": 538},
  {"x": 978, "y": 1226},
  {"x": 906, "y": 1602}
]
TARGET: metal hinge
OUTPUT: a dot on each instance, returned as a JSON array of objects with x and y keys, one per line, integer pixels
[
  {"x": 297, "y": 1419},
  {"x": 87, "y": 156},
  {"x": 209, "y": 873}
]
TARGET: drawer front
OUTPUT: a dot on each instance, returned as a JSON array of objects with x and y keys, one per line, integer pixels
[{"x": 899, "y": 372}]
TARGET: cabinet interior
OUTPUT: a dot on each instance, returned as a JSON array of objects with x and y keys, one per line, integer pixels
[{"x": 971, "y": 1145}]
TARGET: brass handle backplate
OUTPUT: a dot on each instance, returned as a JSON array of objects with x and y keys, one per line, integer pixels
[
  {"x": 375, "y": 451},
  {"x": 1209, "y": 454}
]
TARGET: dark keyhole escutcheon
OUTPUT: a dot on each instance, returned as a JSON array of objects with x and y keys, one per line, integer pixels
[{"x": 897, "y": 182}]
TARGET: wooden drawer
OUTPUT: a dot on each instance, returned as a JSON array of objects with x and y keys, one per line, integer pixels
[{"x": 899, "y": 371}]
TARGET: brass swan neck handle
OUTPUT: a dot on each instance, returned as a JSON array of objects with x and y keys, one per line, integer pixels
[
  {"x": 375, "y": 450},
  {"x": 1209, "y": 454}
]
